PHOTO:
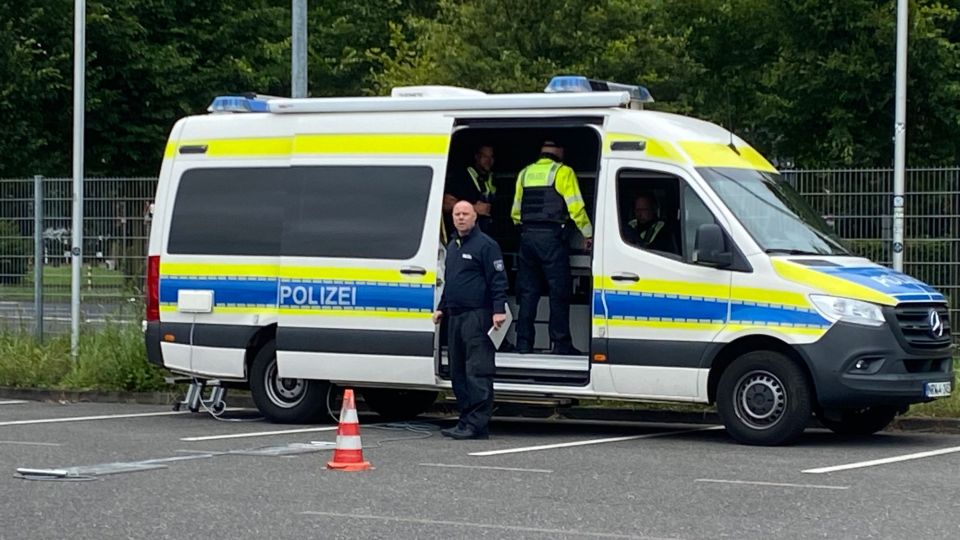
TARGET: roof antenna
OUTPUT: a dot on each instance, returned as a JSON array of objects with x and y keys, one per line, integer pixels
[{"x": 730, "y": 123}]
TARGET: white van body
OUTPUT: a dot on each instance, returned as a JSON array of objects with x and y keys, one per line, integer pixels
[{"x": 299, "y": 247}]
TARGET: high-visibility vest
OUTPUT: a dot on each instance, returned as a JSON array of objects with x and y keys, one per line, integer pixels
[
  {"x": 648, "y": 235},
  {"x": 484, "y": 186},
  {"x": 541, "y": 202}
]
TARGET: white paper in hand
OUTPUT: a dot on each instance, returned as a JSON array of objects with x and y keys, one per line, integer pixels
[{"x": 498, "y": 334}]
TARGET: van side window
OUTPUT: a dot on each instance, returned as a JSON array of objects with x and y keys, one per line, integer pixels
[
  {"x": 235, "y": 211},
  {"x": 648, "y": 205},
  {"x": 365, "y": 212},
  {"x": 360, "y": 212}
]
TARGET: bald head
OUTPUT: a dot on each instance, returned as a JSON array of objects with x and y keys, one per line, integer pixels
[{"x": 464, "y": 217}]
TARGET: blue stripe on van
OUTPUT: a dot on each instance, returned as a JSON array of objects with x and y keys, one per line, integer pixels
[
  {"x": 914, "y": 297},
  {"x": 320, "y": 294},
  {"x": 649, "y": 306},
  {"x": 240, "y": 291},
  {"x": 772, "y": 314},
  {"x": 659, "y": 307},
  {"x": 268, "y": 292}
]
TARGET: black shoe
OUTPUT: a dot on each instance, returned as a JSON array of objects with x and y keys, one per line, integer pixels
[
  {"x": 567, "y": 351},
  {"x": 524, "y": 349},
  {"x": 466, "y": 433},
  {"x": 506, "y": 346},
  {"x": 449, "y": 432}
]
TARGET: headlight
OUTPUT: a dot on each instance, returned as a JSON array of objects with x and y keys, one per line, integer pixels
[{"x": 848, "y": 310}]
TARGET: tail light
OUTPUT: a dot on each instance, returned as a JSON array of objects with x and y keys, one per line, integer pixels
[{"x": 153, "y": 288}]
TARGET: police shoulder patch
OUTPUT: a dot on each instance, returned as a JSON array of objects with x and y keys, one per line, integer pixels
[{"x": 498, "y": 265}]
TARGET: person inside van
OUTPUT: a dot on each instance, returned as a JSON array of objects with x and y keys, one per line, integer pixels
[
  {"x": 646, "y": 230},
  {"x": 474, "y": 185},
  {"x": 547, "y": 196}
]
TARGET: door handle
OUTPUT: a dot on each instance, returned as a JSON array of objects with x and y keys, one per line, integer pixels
[
  {"x": 413, "y": 270},
  {"x": 625, "y": 276}
]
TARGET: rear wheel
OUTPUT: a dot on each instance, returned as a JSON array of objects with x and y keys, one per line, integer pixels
[
  {"x": 394, "y": 404},
  {"x": 284, "y": 400},
  {"x": 858, "y": 422},
  {"x": 764, "y": 398}
]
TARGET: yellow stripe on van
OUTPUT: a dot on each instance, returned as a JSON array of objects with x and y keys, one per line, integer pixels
[
  {"x": 247, "y": 147},
  {"x": 654, "y": 148},
  {"x": 301, "y": 272},
  {"x": 829, "y": 284},
  {"x": 667, "y": 325},
  {"x": 778, "y": 328},
  {"x": 218, "y": 270},
  {"x": 704, "y": 154},
  {"x": 372, "y": 143},
  {"x": 359, "y": 313}
]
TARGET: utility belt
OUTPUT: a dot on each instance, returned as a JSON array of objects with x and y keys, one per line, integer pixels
[{"x": 541, "y": 226}]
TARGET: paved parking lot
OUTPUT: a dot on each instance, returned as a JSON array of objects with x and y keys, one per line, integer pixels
[{"x": 532, "y": 479}]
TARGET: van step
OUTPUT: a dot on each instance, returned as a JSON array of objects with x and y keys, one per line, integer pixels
[{"x": 526, "y": 400}]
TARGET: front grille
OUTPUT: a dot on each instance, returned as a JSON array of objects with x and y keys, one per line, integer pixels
[{"x": 914, "y": 323}]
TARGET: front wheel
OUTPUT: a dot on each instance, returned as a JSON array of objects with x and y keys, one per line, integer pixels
[
  {"x": 764, "y": 398},
  {"x": 284, "y": 400},
  {"x": 858, "y": 422}
]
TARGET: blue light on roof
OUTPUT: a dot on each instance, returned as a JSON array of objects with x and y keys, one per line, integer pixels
[
  {"x": 568, "y": 83},
  {"x": 222, "y": 104},
  {"x": 579, "y": 83}
]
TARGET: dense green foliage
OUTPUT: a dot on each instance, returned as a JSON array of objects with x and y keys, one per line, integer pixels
[
  {"x": 111, "y": 358},
  {"x": 808, "y": 81}
]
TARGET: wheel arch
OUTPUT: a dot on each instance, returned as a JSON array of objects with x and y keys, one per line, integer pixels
[
  {"x": 738, "y": 347},
  {"x": 259, "y": 338}
]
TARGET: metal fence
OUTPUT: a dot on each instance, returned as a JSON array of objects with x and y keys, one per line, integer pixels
[
  {"x": 115, "y": 232},
  {"x": 858, "y": 203}
]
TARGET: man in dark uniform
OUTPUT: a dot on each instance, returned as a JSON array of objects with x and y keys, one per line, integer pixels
[
  {"x": 474, "y": 300},
  {"x": 475, "y": 186},
  {"x": 647, "y": 230},
  {"x": 547, "y": 197}
]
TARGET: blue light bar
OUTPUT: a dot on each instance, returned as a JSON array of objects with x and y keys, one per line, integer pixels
[
  {"x": 568, "y": 83},
  {"x": 579, "y": 83},
  {"x": 237, "y": 104}
]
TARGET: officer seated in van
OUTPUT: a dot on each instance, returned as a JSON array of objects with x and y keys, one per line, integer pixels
[{"x": 647, "y": 230}]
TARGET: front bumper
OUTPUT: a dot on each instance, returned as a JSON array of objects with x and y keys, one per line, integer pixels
[{"x": 857, "y": 366}]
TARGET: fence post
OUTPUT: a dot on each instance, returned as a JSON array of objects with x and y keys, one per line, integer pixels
[{"x": 38, "y": 255}]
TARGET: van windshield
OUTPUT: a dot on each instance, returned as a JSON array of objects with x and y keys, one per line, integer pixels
[{"x": 773, "y": 212}]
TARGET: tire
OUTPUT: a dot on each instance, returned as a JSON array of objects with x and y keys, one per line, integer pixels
[
  {"x": 858, "y": 422},
  {"x": 764, "y": 398},
  {"x": 397, "y": 405},
  {"x": 285, "y": 401}
]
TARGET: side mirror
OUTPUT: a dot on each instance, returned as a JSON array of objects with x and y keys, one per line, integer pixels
[{"x": 709, "y": 249}]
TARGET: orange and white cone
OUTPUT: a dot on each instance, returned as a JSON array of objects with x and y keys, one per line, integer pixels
[{"x": 348, "y": 455}]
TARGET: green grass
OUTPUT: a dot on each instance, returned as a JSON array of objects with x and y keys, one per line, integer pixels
[
  {"x": 112, "y": 357},
  {"x": 95, "y": 281}
]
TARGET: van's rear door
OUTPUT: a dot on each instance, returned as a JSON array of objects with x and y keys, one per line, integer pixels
[{"x": 359, "y": 249}]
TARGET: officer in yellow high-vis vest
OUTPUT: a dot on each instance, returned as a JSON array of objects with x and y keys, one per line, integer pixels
[{"x": 547, "y": 197}]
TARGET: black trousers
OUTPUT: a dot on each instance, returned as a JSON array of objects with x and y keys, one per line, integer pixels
[
  {"x": 544, "y": 256},
  {"x": 472, "y": 367}
]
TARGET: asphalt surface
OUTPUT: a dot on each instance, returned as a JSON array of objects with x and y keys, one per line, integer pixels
[{"x": 639, "y": 481}]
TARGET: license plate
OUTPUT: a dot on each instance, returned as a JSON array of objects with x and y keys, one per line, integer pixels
[{"x": 937, "y": 389}]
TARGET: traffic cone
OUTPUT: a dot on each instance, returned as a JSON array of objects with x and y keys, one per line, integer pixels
[{"x": 348, "y": 455}]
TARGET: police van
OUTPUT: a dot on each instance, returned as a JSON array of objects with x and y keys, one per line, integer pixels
[{"x": 296, "y": 245}]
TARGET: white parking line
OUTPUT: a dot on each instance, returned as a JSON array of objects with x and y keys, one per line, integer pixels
[
  {"x": 772, "y": 484},
  {"x": 514, "y": 528},
  {"x": 12, "y": 402},
  {"x": 85, "y": 418},
  {"x": 589, "y": 442},
  {"x": 884, "y": 461},
  {"x": 25, "y": 443},
  {"x": 509, "y": 469},
  {"x": 256, "y": 434}
]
